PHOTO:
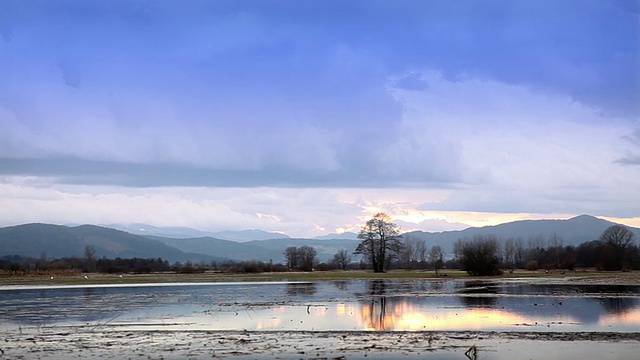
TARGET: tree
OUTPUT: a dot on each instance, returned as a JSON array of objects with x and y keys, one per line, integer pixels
[
  {"x": 406, "y": 256},
  {"x": 306, "y": 257},
  {"x": 380, "y": 241},
  {"x": 509, "y": 252},
  {"x": 291, "y": 256},
  {"x": 479, "y": 256},
  {"x": 616, "y": 240},
  {"x": 300, "y": 258},
  {"x": 554, "y": 246},
  {"x": 519, "y": 252},
  {"x": 435, "y": 258},
  {"x": 421, "y": 252},
  {"x": 341, "y": 259},
  {"x": 90, "y": 258}
]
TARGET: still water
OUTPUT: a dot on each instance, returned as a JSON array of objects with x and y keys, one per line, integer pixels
[{"x": 373, "y": 305}]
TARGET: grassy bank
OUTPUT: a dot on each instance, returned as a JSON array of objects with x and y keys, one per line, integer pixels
[{"x": 80, "y": 279}]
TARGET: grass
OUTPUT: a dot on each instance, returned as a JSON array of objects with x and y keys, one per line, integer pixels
[{"x": 79, "y": 279}]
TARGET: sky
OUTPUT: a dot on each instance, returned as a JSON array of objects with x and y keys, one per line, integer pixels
[{"x": 308, "y": 117}]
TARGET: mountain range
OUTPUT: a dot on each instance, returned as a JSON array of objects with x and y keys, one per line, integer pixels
[
  {"x": 186, "y": 232},
  {"x": 185, "y": 244}
]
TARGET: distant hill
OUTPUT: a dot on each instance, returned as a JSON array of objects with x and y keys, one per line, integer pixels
[
  {"x": 247, "y": 235},
  {"x": 263, "y": 250},
  {"x": 343, "y": 236},
  {"x": 232, "y": 250},
  {"x": 189, "y": 233},
  {"x": 169, "y": 232},
  {"x": 573, "y": 231},
  {"x": 58, "y": 241},
  {"x": 326, "y": 249}
]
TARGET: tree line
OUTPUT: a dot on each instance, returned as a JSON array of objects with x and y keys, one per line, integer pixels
[
  {"x": 15, "y": 264},
  {"x": 381, "y": 248}
]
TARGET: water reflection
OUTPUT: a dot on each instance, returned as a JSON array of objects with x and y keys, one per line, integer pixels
[
  {"x": 618, "y": 304},
  {"x": 374, "y": 310},
  {"x": 341, "y": 284},
  {"x": 301, "y": 289},
  {"x": 376, "y": 305}
]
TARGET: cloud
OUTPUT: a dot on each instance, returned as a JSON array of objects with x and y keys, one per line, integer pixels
[
  {"x": 632, "y": 156},
  {"x": 297, "y": 212},
  {"x": 527, "y": 107},
  {"x": 463, "y": 132},
  {"x": 518, "y": 150}
]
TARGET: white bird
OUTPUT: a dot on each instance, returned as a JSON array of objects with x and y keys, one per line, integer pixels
[
  {"x": 52, "y": 278},
  {"x": 85, "y": 277}
]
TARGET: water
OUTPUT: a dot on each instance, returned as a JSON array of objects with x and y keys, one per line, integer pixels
[{"x": 370, "y": 305}]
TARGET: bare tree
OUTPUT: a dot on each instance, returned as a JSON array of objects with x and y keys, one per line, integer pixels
[
  {"x": 480, "y": 255},
  {"x": 421, "y": 252},
  {"x": 380, "y": 241},
  {"x": 435, "y": 258},
  {"x": 554, "y": 245},
  {"x": 536, "y": 248},
  {"x": 300, "y": 258},
  {"x": 406, "y": 256},
  {"x": 306, "y": 257},
  {"x": 616, "y": 240},
  {"x": 291, "y": 256},
  {"x": 519, "y": 253},
  {"x": 342, "y": 259},
  {"x": 509, "y": 252},
  {"x": 90, "y": 258}
]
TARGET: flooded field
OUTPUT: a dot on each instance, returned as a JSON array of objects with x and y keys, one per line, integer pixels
[
  {"x": 374, "y": 305},
  {"x": 428, "y": 311}
]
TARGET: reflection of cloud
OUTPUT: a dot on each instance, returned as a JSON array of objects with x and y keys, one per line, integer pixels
[
  {"x": 382, "y": 316},
  {"x": 271, "y": 323},
  {"x": 625, "y": 317},
  {"x": 345, "y": 309}
]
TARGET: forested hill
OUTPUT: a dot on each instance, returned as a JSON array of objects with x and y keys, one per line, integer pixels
[
  {"x": 56, "y": 241},
  {"x": 572, "y": 231}
]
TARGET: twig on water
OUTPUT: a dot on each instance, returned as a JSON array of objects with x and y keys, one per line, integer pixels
[{"x": 472, "y": 353}]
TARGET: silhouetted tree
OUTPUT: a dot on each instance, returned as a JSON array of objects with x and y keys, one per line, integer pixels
[
  {"x": 478, "y": 256},
  {"x": 380, "y": 241},
  {"x": 341, "y": 259},
  {"x": 300, "y": 258},
  {"x": 90, "y": 258},
  {"x": 616, "y": 240},
  {"x": 435, "y": 258},
  {"x": 291, "y": 256},
  {"x": 306, "y": 257}
]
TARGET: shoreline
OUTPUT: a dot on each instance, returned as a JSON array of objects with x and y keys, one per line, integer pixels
[
  {"x": 588, "y": 277},
  {"x": 91, "y": 342}
]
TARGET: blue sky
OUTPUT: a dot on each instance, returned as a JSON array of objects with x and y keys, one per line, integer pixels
[{"x": 308, "y": 116}]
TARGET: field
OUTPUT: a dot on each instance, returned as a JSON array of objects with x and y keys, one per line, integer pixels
[{"x": 585, "y": 276}]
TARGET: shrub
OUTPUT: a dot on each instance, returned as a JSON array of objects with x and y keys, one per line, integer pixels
[
  {"x": 479, "y": 256},
  {"x": 531, "y": 265}
]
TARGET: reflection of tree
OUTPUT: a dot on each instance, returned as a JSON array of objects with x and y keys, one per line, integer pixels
[
  {"x": 618, "y": 304},
  {"x": 89, "y": 292},
  {"x": 377, "y": 287},
  {"x": 301, "y": 289},
  {"x": 479, "y": 301},
  {"x": 374, "y": 312},
  {"x": 481, "y": 288},
  {"x": 341, "y": 284}
]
